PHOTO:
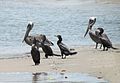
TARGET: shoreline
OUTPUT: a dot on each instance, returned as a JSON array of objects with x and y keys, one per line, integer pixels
[
  {"x": 55, "y": 49},
  {"x": 105, "y": 64}
]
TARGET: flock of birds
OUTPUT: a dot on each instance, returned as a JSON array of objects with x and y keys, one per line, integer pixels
[{"x": 99, "y": 37}]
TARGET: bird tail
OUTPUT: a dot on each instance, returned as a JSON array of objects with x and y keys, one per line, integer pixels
[
  {"x": 72, "y": 53},
  {"x": 114, "y": 48},
  {"x": 56, "y": 55}
]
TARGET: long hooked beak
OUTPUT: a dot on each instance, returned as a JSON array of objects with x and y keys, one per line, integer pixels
[
  {"x": 29, "y": 27},
  {"x": 23, "y": 40},
  {"x": 55, "y": 35},
  {"x": 92, "y": 21},
  {"x": 86, "y": 31},
  {"x": 26, "y": 34}
]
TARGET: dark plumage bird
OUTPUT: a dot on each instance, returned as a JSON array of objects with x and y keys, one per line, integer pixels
[
  {"x": 93, "y": 35},
  {"x": 35, "y": 53},
  {"x": 29, "y": 39},
  {"x": 105, "y": 40},
  {"x": 47, "y": 49},
  {"x": 63, "y": 48}
]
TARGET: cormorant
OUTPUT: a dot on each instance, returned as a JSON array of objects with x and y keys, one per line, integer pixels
[
  {"x": 47, "y": 49},
  {"x": 63, "y": 48}
]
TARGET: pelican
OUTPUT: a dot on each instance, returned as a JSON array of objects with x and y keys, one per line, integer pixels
[
  {"x": 63, "y": 48},
  {"x": 105, "y": 40},
  {"x": 29, "y": 39},
  {"x": 93, "y": 35},
  {"x": 35, "y": 53}
]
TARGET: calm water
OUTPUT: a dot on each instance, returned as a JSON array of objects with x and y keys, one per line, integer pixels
[
  {"x": 66, "y": 17},
  {"x": 48, "y": 77}
]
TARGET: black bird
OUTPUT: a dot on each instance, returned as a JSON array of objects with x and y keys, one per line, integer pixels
[
  {"x": 63, "y": 48},
  {"x": 29, "y": 39},
  {"x": 47, "y": 49},
  {"x": 105, "y": 40},
  {"x": 35, "y": 53},
  {"x": 93, "y": 35}
]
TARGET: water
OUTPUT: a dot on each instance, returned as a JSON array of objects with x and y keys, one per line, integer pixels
[
  {"x": 66, "y": 17},
  {"x": 48, "y": 77}
]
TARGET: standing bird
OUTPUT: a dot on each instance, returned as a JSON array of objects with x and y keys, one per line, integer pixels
[
  {"x": 29, "y": 39},
  {"x": 63, "y": 48},
  {"x": 93, "y": 35},
  {"x": 47, "y": 49},
  {"x": 105, "y": 40},
  {"x": 35, "y": 53}
]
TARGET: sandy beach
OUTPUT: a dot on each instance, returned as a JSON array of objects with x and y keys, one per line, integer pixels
[{"x": 105, "y": 64}]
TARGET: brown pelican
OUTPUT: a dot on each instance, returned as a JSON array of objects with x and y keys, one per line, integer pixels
[
  {"x": 105, "y": 40},
  {"x": 29, "y": 39},
  {"x": 35, "y": 53},
  {"x": 93, "y": 35},
  {"x": 63, "y": 48}
]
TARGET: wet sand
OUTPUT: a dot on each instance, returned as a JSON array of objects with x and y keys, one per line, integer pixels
[{"x": 103, "y": 64}]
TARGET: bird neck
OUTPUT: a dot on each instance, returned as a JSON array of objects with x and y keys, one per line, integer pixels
[
  {"x": 101, "y": 32},
  {"x": 59, "y": 41},
  {"x": 90, "y": 28}
]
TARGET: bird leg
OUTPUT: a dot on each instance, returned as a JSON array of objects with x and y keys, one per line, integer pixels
[
  {"x": 46, "y": 56},
  {"x": 96, "y": 45},
  {"x": 37, "y": 63},
  {"x": 103, "y": 48},
  {"x": 106, "y": 49},
  {"x": 62, "y": 55},
  {"x": 100, "y": 46},
  {"x": 65, "y": 57}
]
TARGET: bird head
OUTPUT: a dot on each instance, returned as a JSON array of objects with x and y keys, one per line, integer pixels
[
  {"x": 101, "y": 30},
  {"x": 58, "y": 36},
  {"x": 29, "y": 28},
  {"x": 92, "y": 21}
]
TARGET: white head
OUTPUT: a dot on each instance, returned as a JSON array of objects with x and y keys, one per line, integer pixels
[
  {"x": 92, "y": 18},
  {"x": 30, "y": 22},
  {"x": 30, "y": 25},
  {"x": 92, "y": 21}
]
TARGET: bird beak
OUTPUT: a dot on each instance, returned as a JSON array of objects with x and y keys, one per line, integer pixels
[
  {"x": 86, "y": 31},
  {"x": 23, "y": 40},
  {"x": 26, "y": 34},
  {"x": 90, "y": 24},
  {"x": 55, "y": 35},
  {"x": 29, "y": 27}
]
